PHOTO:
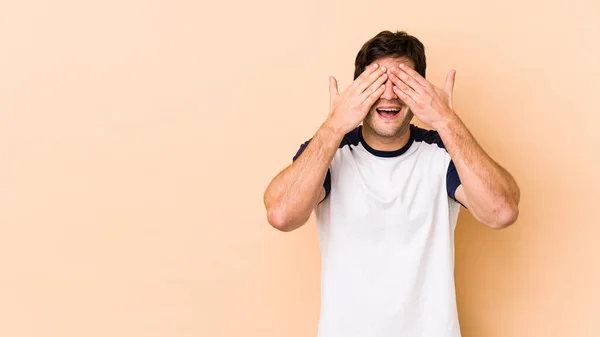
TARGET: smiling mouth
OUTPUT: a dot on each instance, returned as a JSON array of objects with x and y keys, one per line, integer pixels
[{"x": 388, "y": 112}]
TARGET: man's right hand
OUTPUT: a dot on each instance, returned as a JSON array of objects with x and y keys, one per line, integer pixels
[{"x": 348, "y": 109}]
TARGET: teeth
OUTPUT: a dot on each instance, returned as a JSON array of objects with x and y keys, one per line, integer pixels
[{"x": 389, "y": 110}]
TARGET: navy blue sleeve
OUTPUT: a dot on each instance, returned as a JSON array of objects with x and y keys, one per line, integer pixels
[
  {"x": 327, "y": 181},
  {"x": 452, "y": 181},
  {"x": 433, "y": 137}
]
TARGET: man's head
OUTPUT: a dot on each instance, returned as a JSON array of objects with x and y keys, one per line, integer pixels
[{"x": 389, "y": 116}]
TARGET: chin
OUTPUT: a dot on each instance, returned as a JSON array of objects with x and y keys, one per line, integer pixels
[{"x": 392, "y": 126}]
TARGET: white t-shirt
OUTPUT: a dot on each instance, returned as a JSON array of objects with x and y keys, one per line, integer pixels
[{"x": 386, "y": 235}]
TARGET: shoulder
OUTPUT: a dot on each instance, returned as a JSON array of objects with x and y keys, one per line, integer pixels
[
  {"x": 350, "y": 139},
  {"x": 426, "y": 136}
]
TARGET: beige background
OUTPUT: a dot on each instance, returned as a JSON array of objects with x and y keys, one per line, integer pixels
[{"x": 137, "y": 138}]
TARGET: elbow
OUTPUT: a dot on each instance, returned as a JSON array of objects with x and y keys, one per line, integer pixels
[
  {"x": 275, "y": 216},
  {"x": 505, "y": 217},
  {"x": 285, "y": 218},
  {"x": 278, "y": 220}
]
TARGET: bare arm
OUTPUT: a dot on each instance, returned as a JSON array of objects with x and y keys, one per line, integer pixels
[
  {"x": 489, "y": 191},
  {"x": 293, "y": 194}
]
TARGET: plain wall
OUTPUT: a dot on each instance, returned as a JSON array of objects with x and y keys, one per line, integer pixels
[{"x": 137, "y": 138}]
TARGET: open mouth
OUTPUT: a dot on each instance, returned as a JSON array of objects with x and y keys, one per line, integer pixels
[{"x": 388, "y": 113}]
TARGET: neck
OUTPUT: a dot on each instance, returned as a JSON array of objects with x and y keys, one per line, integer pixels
[{"x": 390, "y": 143}]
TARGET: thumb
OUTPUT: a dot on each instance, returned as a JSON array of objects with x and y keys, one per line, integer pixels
[
  {"x": 333, "y": 88},
  {"x": 449, "y": 86}
]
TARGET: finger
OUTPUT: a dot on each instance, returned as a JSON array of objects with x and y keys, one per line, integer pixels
[
  {"x": 369, "y": 70},
  {"x": 414, "y": 74},
  {"x": 367, "y": 81},
  {"x": 408, "y": 80},
  {"x": 372, "y": 98},
  {"x": 412, "y": 104},
  {"x": 404, "y": 87},
  {"x": 375, "y": 86}
]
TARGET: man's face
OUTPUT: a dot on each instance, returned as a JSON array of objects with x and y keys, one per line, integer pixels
[{"x": 387, "y": 115}]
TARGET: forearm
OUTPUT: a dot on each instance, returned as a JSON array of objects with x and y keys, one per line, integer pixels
[
  {"x": 293, "y": 193},
  {"x": 490, "y": 191}
]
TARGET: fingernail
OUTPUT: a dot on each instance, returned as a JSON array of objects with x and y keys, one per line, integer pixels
[{"x": 383, "y": 69}]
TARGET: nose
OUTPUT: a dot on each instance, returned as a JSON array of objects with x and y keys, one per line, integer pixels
[{"x": 388, "y": 93}]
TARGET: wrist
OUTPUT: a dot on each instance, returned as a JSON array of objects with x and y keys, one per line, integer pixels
[
  {"x": 449, "y": 122},
  {"x": 333, "y": 129}
]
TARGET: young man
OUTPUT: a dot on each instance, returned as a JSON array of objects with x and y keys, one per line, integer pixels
[{"x": 386, "y": 195}]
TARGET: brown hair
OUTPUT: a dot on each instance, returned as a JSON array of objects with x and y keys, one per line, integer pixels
[{"x": 388, "y": 44}]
